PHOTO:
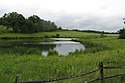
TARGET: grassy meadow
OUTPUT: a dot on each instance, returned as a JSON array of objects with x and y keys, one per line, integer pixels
[{"x": 33, "y": 66}]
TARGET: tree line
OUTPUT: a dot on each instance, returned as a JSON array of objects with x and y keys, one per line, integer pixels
[{"x": 18, "y": 23}]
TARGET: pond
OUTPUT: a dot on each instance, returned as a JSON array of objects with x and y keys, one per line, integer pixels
[{"x": 63, "y": 46}]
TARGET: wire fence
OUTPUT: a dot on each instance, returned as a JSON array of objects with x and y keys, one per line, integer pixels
[{"x": 100, "y": 69}]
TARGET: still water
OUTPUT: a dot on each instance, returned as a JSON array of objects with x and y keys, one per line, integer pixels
[{"x": 62, "y": 46}]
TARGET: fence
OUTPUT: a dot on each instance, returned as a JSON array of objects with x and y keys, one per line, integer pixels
[{"x": 100, "y": 69}]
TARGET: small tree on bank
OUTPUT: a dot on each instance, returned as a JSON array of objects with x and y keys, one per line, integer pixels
[{"x": 122, "y": 33}]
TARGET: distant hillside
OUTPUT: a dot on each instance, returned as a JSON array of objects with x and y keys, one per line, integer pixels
[{"x": 94, "y": 31}]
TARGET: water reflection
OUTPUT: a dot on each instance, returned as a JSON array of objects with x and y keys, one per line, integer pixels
[
  {"x": 61, "y": 47},
  {"x": 66, "y": 48}
]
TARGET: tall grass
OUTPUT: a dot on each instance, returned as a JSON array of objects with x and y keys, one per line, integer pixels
[
  {"x": 20, "y": 51},
  {"x": 38, "y": 67},
  {"x": 34, "y": 66}
]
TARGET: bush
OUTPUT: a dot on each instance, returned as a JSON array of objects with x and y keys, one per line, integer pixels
[
  {"x": 3, "y": 29},
  {"x": 57, "y": 35},
  {"x": 122, "y": 33},
  {"x": 46, "y": 36}
]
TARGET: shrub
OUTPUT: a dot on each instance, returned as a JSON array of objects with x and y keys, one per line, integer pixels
[
  {"x": 46, "y": 36},
  {"x": 122, "y": 33},
  {"x": 57, "y": 35}
]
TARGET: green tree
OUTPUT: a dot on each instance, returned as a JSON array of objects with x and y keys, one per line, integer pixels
[
  {"x": 60, "y": 28},
  {"x": 13, "y": 20},
  {"x": 0, "y": 21},
  {"x": 30, "y": 25},
  {"x": 122, "y": 33},
  {"x": 36, "y": 21}
]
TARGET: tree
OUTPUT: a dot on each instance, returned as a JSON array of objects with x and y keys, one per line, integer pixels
[
  {"x": 60, "y": 28},
  {"x": 36, "y": 21},
  {"x": 122, "y": 33},
  {"x": 30, "y": 25},
  {"x": 0, "y": 21},
  {"x": 13, "y": 20}
]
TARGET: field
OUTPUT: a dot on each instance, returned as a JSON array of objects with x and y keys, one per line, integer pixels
[{"x": 36, "y": 67}]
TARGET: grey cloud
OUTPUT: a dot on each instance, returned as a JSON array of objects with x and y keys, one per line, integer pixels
[
  {"x": 75, "y": 21},
  {"x": 110, "y": 24}
]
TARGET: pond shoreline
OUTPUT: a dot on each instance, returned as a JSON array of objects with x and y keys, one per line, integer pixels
[{"x": 44, "y": 46}]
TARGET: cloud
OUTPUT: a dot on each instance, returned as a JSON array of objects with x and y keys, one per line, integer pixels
[
  {"x": 72, "y": 14},
  {"x": 84, "y": 22}
]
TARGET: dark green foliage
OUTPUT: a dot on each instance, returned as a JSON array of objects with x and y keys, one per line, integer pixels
[
  {"x": 102, "y": 34},
  {"x": 0, "y": 21},
  {"x": 122, "y": 33},
  {"x": 60, "y": 28},
  {"x": 52, "y": 52},
  {"x": 46, "y": 36},
  {"x": 57, "y": 35},
  {"x": 4, "y": 29},
  {"x": 94, "y": 31},
  {"x": 13, "y": 20},
  {"x": 31, "y": 24}
]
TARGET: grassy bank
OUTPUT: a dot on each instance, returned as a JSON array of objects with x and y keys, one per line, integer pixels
[
  {"x": 73, "y": 34},
  {"x": 34, "y": 66}
]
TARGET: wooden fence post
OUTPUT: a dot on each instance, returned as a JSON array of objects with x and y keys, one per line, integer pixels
[
  {"x": 17, "y": 78},
  {"x": 101, "y": 72}
]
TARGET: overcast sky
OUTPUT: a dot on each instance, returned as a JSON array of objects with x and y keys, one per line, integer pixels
[{"x": 103, "y": 15}]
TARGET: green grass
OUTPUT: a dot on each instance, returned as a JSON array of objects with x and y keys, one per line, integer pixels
[
  {"x": 36, "y": 67},
  {"x": 50, "y": 34}
]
